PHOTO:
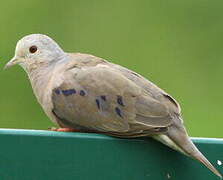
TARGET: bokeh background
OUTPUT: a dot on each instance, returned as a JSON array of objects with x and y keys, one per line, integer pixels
[{"x": 176, "y": 44}]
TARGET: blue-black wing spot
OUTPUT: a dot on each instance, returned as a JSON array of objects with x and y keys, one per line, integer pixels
[
  {"x": 98, "y": 103},
  {"x": 103, "y": 98},
  {"x": 68, "y": 92},
  {"x": 118, "y": 111},
  {"x": 120, "y": 101},
  {"x": 82, "y": 93},
  {"x": 57, "y": 91}
]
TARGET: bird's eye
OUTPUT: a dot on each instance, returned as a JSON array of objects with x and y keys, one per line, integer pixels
[{"x": 32, "y": 49}]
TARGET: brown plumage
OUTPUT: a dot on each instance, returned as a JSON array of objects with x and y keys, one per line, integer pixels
[{"x": 88, "y": 93}]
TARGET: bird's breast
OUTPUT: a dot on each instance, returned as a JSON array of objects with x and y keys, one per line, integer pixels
[{"x": 43, "y": 82}]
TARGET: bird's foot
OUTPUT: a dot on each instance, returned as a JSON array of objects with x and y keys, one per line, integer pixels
[{"x": 63, "y": 129}]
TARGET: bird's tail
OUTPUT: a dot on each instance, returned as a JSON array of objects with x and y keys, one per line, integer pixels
[{"x": 178, "y": 139}]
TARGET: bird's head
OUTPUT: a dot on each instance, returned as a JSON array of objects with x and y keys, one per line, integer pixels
[{"x": 34, "y": 50}]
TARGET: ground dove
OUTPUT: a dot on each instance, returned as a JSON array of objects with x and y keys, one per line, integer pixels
[{"x": 89, "y": 94}]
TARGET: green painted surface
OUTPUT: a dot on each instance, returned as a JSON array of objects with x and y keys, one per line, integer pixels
[{"x": 45, "y": 155}]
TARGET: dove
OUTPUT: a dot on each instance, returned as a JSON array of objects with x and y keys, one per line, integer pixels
[{"x": 82, "y": 92}]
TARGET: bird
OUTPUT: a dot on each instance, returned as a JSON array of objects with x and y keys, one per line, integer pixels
[{"x": 85, "y": 93}]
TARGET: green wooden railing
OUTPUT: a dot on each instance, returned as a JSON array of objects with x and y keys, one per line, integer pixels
[{"x": 47, "y": 155}]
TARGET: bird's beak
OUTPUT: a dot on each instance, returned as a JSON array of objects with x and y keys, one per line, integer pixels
[{"x": 12, "y": 62}]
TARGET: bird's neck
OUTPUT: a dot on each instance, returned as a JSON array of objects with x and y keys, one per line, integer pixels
[{"x": 40, "y": 77}]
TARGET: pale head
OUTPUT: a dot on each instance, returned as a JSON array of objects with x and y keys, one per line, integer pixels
[{"x": 34, "y": 50}]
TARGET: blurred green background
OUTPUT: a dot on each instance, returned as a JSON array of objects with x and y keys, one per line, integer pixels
[{"x": 176, "y": 44}]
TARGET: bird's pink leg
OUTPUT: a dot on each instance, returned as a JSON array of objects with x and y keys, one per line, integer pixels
[
  {"x": 64, "y": 129},
  {"x": 71, "y": 130}
]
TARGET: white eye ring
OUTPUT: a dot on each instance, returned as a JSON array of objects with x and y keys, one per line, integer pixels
[{"x": 33, "y": 49}]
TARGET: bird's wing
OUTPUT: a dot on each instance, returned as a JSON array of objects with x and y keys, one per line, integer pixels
[
  {"x": 99, "y": 97},
  {"x": 150, "y": 88}
]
